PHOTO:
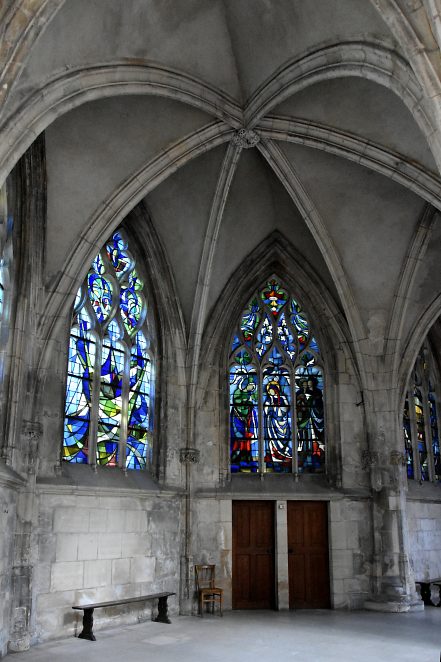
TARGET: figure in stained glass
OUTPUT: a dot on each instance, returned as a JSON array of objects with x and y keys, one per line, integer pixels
[
  {"x": 243, "y": 419},
  {"x": 277, "y": 421},
  {"x": 281, "y": 355}
]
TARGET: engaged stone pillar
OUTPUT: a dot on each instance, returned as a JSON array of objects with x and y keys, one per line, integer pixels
[{"x": 393, "y": 587}]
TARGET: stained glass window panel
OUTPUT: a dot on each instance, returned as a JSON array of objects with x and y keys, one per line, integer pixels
[
  {"x": 421, "y": 433},
  {"x": 435, "y": 433},
  {"x": 244, "y": 419},
  {"x": 82, "y": 352},
  {"x": 100, "y": 294},
  {"x": 277, "y": 420},
  {"x": 408, "y": 440},
  {"x": 118, "y": 255},
  {"x": 279, "y": 345},
  {"x": 310, "y": 419}
]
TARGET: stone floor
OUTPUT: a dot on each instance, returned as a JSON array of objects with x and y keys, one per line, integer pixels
[{"x": 305, "y": 636}]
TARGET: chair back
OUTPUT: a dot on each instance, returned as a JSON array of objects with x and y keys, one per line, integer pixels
[{"x": 205, "y": 576}]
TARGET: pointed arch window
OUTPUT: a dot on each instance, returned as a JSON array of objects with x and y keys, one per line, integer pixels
[
  {"x": 276, "y": 388},
  {"x": 110, "y": 383},
  {"x": 421, "y": 419}
]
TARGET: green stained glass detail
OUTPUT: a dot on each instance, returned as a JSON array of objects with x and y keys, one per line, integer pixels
[
  {"x": 243, "y": 357},
  {"x": 274, "y": 296},
  {"x": 250, "y": 320}
]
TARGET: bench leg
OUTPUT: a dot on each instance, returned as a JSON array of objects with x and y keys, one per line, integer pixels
[
  {"x": 162, "y": 616},
  {"x": 425, "y": 594},
  {"x": 87, "y": 626}
]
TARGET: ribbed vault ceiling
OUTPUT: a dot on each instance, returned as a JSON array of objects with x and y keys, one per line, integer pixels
[{"x": 141, "y": 101}]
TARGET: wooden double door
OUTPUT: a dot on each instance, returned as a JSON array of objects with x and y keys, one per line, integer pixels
[{"x": 254, "y": 576}]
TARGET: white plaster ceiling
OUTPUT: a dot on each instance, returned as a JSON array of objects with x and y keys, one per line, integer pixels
[{"x": 352, "y": 214}]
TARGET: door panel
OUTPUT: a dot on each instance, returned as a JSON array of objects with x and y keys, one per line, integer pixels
[
  {"x": 308, "y": 558},
  {"x": 253, "y": 555}
]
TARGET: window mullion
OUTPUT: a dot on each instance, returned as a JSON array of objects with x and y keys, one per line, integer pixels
[
  {"x": 95, "y": 404},
  {"x": 295, "y": 458},
  {"x": 125, "y": 394},
  {"x": 261, "y": 434},
  {"x": 428, "y": 428}
]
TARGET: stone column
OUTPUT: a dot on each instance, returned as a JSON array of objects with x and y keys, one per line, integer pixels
[
  {"x": 393, "y": 586},
  {"x": 22, "y": 569}
]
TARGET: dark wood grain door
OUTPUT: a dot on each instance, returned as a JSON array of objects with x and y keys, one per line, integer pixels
[
  {"x": 308, "y": 557},
  {"x": 253, "y": 555}
]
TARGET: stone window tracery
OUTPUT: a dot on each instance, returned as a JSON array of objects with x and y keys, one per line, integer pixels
[
  {"x": 276, "y": 388},
  {"x": 110, "y": 383},
  {"x": 421, "y": 420}
]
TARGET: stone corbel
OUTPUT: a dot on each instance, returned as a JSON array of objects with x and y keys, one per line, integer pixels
[{"x": 189, "y": 456}]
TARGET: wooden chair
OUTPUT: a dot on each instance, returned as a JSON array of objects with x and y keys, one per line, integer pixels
[{"x": 208, "y": 593}]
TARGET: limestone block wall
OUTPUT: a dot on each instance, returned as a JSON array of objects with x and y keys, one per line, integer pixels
[
  {"x": 95, "y": 546},
  {"x": 7, "y": 526},
  {"x": 350, "y": 548},
  {"x": 424, "y": 521},
  {"x": 350, "y": 552},
  {"x": 212, "y": 540}
]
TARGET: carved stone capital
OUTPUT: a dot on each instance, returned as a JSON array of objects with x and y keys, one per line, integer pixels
[
  {"x": 32, "y": 430},
  {"x": 369, "y": 459},
  {"x": 246, "y": 138},
  {"x": 189, "y": 456},
  {"x": 398, "y": 459}
]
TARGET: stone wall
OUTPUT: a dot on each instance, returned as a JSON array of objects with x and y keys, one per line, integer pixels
[
  {"x": 350, "y": 549},
  {"x": 425, "y": 537},
  {"x": 7, "y": 525},
  {"x": 95, "y": 546}
]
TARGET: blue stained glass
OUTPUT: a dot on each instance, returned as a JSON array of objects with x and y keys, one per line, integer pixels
[
  {"x": 277, "y": 420},
  {"x": 286, "y": 338},
  {"x": 275, "y": 357},
  {"x": 307, "y": 359},
  {"x": 250, "y": 320},
  {"x": 235, "y": 344},
  {"x": 314, "y": 345},
  {"x": 118, "y": 255},
  {"x": 135, "y": 283},
  {"x": 100, "y": 295},
  {"x": 107, "y": 444},
  {"x": 243, "y": 357},
  {"x": 435, "y": 433},
  {"x": 98, "y": 265},
  {"x": 264, "y": 336},
  {"x": 131, "y": 306},
  {"x": 300, "y": 323},
  {"x": 83, "y": 322},
  {"x": 408, "y": 440},
  {"x": 243, "y": 419},
  {"x": 139, "y": 449},
  {"x": 113, "y": 332},
  {"x": 421, "y": 433}
]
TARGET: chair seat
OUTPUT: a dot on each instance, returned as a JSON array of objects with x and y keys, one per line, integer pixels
[{"x": 207, "y": 592}]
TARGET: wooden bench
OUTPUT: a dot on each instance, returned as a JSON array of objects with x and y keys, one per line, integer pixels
[
  {"x": 87, "y": 632},
  {"x": 426, "y": 593}
]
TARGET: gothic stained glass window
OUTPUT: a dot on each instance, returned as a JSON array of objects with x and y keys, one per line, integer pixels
[
  {"x": 276, "y": 388},
  {"x": 421, "y": 422},
  {"x": 110, "y": 383}
]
